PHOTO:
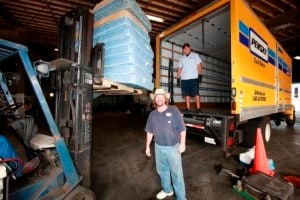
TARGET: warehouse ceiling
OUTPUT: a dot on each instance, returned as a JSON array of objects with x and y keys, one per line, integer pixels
[{"x": 37, "y": 21}]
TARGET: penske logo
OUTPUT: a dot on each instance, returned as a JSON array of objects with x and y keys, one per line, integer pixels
[{"x": 258, "y": 46}]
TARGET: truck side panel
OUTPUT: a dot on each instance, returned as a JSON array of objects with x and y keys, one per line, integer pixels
[
  {"x": 284, "y": 79},
  {"x": 256, "y": 66}
]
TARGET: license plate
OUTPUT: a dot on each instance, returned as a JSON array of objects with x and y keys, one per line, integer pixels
[{"x": 210, "y": 140}]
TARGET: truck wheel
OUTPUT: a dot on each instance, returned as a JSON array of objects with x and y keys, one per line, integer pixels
[
  {"x": 266, "y": 129},
  {"x": 249, "y": 131},
  {"x": 290, "y": 122},
  {"x": 277, "y": 121}
]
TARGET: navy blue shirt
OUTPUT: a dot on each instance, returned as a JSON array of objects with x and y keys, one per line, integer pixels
[{"x": 166, "y": 126}]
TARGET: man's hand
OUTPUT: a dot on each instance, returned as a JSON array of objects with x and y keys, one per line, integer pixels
[
  {"x": 181, "y": 148},
  {"x": 200, "y": 78},
  {"x": 148, "y": 152},
  {"x": 178, "y": 82}
]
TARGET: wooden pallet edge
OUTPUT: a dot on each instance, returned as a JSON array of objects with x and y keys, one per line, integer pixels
[{"x": 107, "y": 86}]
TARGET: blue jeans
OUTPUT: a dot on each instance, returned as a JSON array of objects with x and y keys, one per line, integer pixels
[{"x": 169, "y": 167}]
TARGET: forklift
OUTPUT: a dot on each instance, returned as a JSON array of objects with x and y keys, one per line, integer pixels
[
  {"x": 68, "y": 148},
  {"x": 61, "y": 180}
]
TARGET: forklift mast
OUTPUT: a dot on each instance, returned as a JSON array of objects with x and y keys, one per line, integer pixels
[{"x": 72, "y": 80}]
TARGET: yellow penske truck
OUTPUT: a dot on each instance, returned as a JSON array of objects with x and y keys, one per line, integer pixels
[{"x": 246, "y": 74}]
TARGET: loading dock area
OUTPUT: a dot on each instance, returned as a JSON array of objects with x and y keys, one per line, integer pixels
[{"x": 120, "y": 169}]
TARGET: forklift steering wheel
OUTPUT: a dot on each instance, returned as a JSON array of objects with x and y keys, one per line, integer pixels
[{"x": 11, "y": 108}]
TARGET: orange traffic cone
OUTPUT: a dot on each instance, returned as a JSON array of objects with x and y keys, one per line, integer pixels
[{"x": 260, "y": 159}]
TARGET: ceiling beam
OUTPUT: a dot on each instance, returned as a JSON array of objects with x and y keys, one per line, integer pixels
[
  {"x": 184, "y": 3},
  {"x": 162, "y": 5},
  {"x": 262, "y": 10},
  {"x": 291, "y": 3},
  {"x": 273, "y": 5},
  {"x": 162, "y": 15},
  {"x": 288, "y": 17}
]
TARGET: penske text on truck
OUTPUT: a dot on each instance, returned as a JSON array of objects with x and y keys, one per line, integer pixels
[{"x": 246, "y": 75}]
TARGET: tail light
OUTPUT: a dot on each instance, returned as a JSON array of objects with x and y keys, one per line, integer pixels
[{"x": 233, "y": 105}]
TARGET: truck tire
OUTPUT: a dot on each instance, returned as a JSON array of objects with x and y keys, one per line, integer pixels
[
  {"x": 277, "y": 121},
  {"x": 249, "y": 131},
  {"x": 290, "y": 122}
]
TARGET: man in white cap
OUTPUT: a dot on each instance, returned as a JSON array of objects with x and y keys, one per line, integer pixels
[{"x": 165, "y": 124}]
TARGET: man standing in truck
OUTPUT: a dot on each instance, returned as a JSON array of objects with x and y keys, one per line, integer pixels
[{"x": 189, "y": 75}]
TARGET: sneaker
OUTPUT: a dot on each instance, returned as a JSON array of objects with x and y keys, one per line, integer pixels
[{"x": 163, "y": 195}]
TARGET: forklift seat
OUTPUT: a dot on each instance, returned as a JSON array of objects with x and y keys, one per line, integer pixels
[{"x": 42, "y": 141}]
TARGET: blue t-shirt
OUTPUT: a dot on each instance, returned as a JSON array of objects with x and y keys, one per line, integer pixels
[{"x": 166, "y": 126}]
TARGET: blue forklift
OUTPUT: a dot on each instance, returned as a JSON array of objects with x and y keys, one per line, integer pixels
[
  {"x": 67, "y": 148},
  {"x": 60, "y": 180}
]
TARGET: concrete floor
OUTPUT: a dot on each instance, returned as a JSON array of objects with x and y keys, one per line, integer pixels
[{"x": 121, "y": 170}]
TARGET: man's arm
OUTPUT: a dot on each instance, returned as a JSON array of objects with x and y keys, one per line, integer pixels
[
  {"x": 149, "y": 137},
  {"x": 178, "y": 76},
  {"x": 199, "y": 72},
  {"x": 182, "y": 146},
  {"x": 179, "y": 70},
  {"x": 199, "y": 68}
]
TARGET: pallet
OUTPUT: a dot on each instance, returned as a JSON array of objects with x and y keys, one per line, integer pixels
[{"x": 108, "y": 87}]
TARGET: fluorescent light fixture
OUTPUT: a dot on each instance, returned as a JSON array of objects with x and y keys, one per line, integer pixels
[
  {"x": 153, "y": 18},
  {"x": 297, "y": 57}
]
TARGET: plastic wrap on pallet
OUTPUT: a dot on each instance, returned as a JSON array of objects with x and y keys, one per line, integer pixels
[
  {"x": 128, "y": 56},
  {"x": 120, "y": 26},
  {"x": 125, "y": 39},
  {"x": 124, "y": 35},
  {"x": 127, "y": 59},
  {"x": 109, "y": 7},
  {"x": 124, "y": 69},
  {"x": 131, "y": 48},
  {"x": 145, "y": 75},
  {"x": 119, "y": 71}
]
